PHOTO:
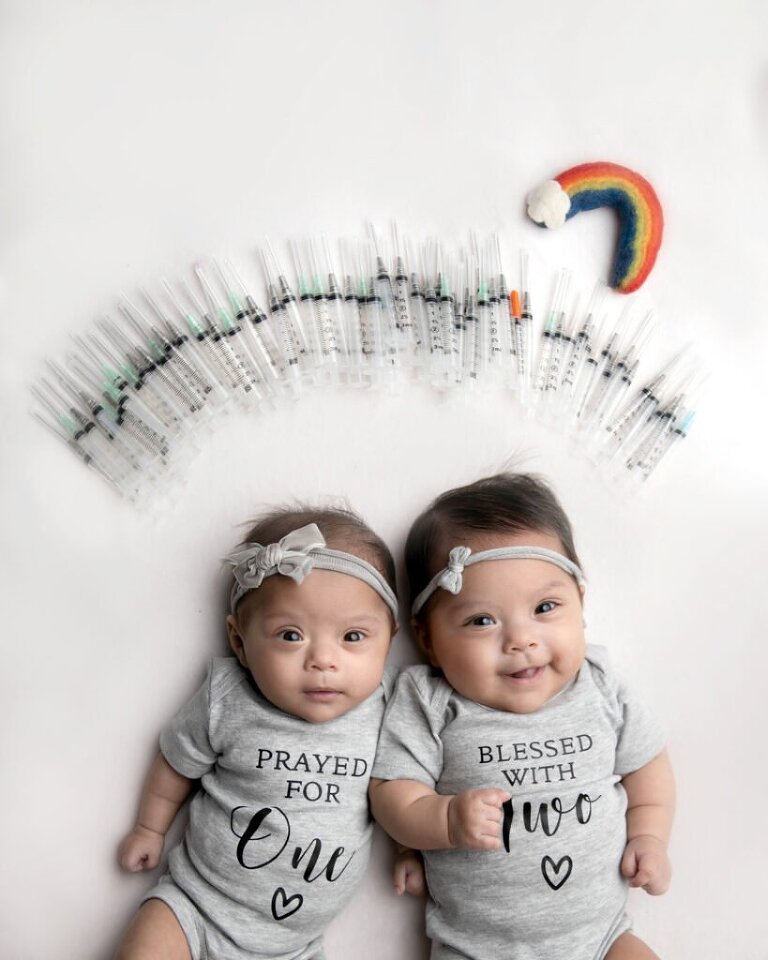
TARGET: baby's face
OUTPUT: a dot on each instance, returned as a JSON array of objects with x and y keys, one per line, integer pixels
[
  {"x": 513, "y": 637},
  {"x": 315, "y": 649}
]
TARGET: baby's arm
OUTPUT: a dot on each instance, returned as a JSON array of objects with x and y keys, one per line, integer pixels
[
  {"x": 414, "y": 815},
  {"x": 163, "y": 794},
  {"x": 650, "y": 810}
]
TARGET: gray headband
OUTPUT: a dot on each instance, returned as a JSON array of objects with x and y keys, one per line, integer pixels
[
  {"x": 295, "y": 556},
  {"x": 450, "y": 577}
]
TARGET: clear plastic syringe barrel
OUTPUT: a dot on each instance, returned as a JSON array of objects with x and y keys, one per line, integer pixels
[
  {"x": 547, "y": 335},
  {"x": 661, "y": 449},
  {"x": 654, "y": 428},
  {"x": 250, "y": 319},
  {"x": 495, "y": 334},
  {"x": 472, "y": 343},
  {"x": 643, "y": 404},
  {"x": 390, "y": 339},
  {"x": 406, "y": 327},
  {"x": 238, "y": 377},
  {"x": 167, "y": 361},
  {"x": 353, "y": 327},
  {"x": 231, "y": 334},
  {"x": 419, "y": 316},
  {"x": 122, "y": 371},
  {"x": 203, "y": 342}
]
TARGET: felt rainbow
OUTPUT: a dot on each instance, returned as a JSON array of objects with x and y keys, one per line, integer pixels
[{"x": 592, "y": 185}]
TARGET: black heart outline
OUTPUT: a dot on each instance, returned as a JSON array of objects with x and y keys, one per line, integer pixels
[
  {"x": 286, "y": 900},
  {"x": 549, "y": 862}
]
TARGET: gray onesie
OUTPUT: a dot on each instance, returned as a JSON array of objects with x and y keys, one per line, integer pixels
[
  {"x": 554, "y": 889},
  {"x": 279, "y": 831}
]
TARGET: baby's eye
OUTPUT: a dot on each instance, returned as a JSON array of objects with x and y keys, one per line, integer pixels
[
  {"x": 546, "y": 607},
  {"x": 292, "y": 636},
  {"x": 481, "y": 620},
  {"x": 354, "y": 636}
]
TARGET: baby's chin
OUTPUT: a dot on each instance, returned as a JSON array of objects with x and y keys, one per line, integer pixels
[{"x": 318, "y": 708}]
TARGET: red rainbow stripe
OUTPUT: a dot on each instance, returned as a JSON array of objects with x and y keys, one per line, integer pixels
[{"x": 592, "y": 185}]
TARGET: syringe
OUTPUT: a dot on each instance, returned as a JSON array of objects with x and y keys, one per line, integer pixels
[
  {"x": 334, "y": 300},
  {"x": 207, "y": 341},
  {"x": 460, "y": 304},
  {"x": 495, "y": 369},
  {"x": 656, "y": 426},
  {"x": 326, "y": 318},
  {"x": 591, "y": 385},
  {"x": 408, "y": 349},
  {"x": 241, "y": 380},
  {"x": 451, "y": 351},
  {"x": 390, "y": 339},
  {"x": 306, "y": 309},
  {"x": 581, "y": 346},
  {"x": 506, "y": 325},
  {"x": 353, "y": 323},
  {"x": 150, "y": 374},
  {"x": 484, "y": 333},
  {"x": 222, "y": 322},
  {"x": 198, "y": 355},
  {"x": 292, "y": 349},
  {"x": 473, "y": 344},
  {"x": 562, "y": 345},
  {"x": 371, "y": 323},
  {"x": 554, "y": 319},
  {"x": 131, "y": 371},
  {"x": 65, "y": 435},
  {"x": 617, "y": 378},
  {"x": 525, "y": 357},
  {"x": 190, "y": 387},
  {"x": 437, "y": 360},
  {"x": 679, "y": 431},
  {"x": 622, "y": 428},
  {"x": 127, "y": 408},
  {"x": 135, "y": 441},
  {"x": 292, "y": 321},
  {"x": 263, "y": 348},
  {"x": 94, "y": 446},
  {"x": 418, "y": 313}
]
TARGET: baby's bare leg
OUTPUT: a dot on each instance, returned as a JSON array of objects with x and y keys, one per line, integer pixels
[
  {"x": 154, "y": 934},
  {"x": 630, "y": 947}
]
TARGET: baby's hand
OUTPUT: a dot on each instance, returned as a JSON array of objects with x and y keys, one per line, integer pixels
[
  {"x": 409, "y": 873},
  {"x": 645, "y": 864},
  {"x": 141, "y": 850},
  {"x": 474, "y": 819}
]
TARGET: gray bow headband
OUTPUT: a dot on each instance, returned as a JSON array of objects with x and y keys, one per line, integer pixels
[
  {"x": 450, "y": 577},
  {"x": 295, "y": 556}
]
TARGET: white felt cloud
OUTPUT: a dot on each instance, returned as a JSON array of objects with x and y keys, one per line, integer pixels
[{"x": 549, "y": 204}]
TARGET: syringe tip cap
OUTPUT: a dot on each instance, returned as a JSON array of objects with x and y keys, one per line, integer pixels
[{"x": 514, "y": 298}]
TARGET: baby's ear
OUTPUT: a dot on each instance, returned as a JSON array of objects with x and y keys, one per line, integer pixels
[
  {"x": 236, "y": 640},
  {"x": 421, "y": 632}
]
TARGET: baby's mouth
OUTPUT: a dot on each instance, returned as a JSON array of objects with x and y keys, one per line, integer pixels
[{"x": 529, "y": 673}]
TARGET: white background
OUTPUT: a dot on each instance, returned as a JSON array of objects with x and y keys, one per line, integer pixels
[{"x": 138, "y": 137}]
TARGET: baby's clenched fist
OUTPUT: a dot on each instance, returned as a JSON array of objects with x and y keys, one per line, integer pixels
[{"x": 474, "y": 819}]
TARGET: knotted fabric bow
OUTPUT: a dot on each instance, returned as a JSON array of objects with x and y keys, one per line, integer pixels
[
  {"x": 291, "y": 557},
  {"x": 450, "y": 578},
  {"x": 299, "y": 552}
]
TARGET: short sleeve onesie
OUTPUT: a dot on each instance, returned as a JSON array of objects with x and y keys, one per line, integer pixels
[
  {"x": 554, "y": 889},
  {"x": 279, "y": 830}
]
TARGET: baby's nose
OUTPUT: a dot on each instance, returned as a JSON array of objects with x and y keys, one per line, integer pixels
[
  {"x": 322, "y": 655},
  {"x": 519, "y": 637}
]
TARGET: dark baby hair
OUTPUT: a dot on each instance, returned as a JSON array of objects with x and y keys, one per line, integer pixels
[
  {"x": 506, "y": 501},
  {"x": 342, "y": 529}
]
